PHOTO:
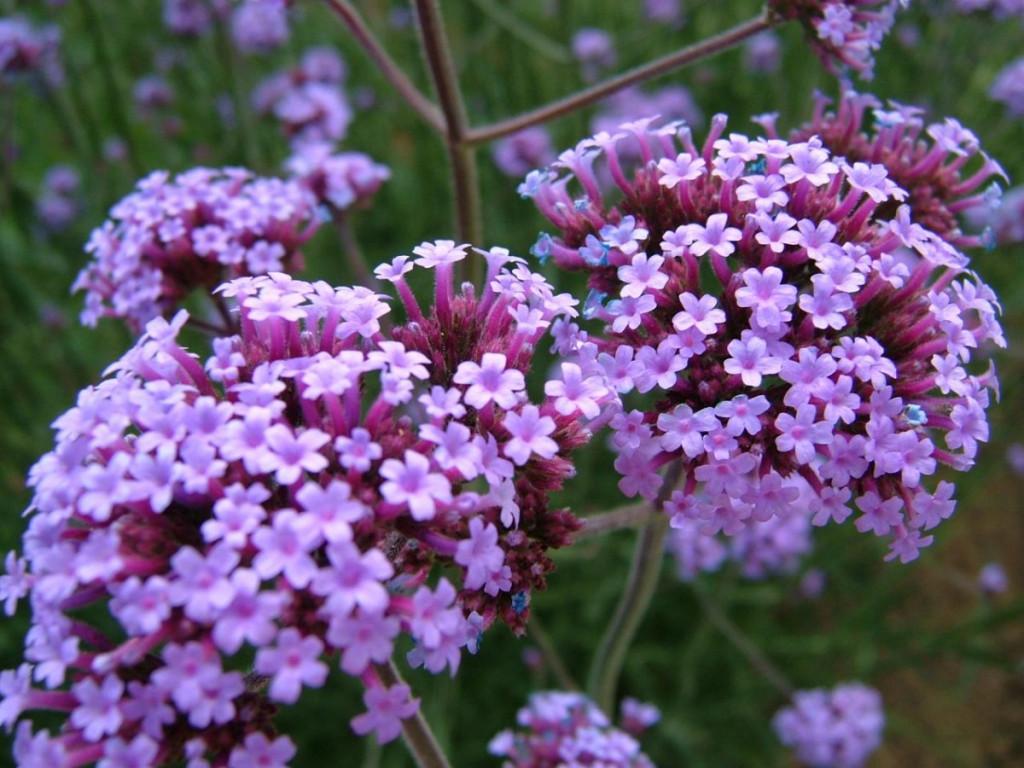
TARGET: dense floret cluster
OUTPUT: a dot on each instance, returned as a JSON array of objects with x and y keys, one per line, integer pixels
[
  {"x": 307, "y": 100},
  {"x": 832, "y": 729},
  {"x": 173, "y": 235},
  {"x": 1008, "y": 87},
  {"x": 800, "y": 338},
  {"x": 337, "y": 180},
  {"x": 845, "y": 34},
  {"x": 288, "y": 499},
  {"x": 567, "y": 729}
]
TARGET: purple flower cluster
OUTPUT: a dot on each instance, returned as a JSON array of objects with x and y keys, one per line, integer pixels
[
  {"x": 175, "y": 234},
  {"x": 567, "y": 729},
  {"x": 664, "y": 11},
  {"x": 1001, "y": 8},
  {"x": 259, "y": 26},
  {"x": 801, "y": 339},
  {"x": 338, "y": 180},
  {"x": 523, "y": 151},
  {"x": 761, "y": 550},
  {"x": 58, "y": 205},
  {"x": 762, "y": 53},
  {"x": 594, "y": 49},
  {"x": 25, "y": 48},
  {"x": 845, "y": 34},
  {"x": 287, "y": 499},
  {"x": 832, "y": 729},
  {"x": 308, "y": 100},
  {"x": 193, "y": 17},
  {"x": 1008, "y": 87}
]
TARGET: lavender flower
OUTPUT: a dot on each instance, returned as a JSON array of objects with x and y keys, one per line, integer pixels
[
  {"x": 563, "y": 729},
  {"x": 832, "y": 729},
  {"x": 25, "y": 48},
  {"x": 845, "y": 34},
  {"x": 992, "y": 579},
  {"x": 807, "y": 345},
  {"x": 58, "y": 205},
  {"x": 152, "y": 94},
  {"x": 664, "y": 11},
  {"x": 338, "y": 180},
  {"x": 308, "y": 100},
  {"x": 1000, "y": 8},
  {"x": 594, "y": 49},
  {"x": 521, "y": 152},
  {"x": 259, "y": 26},
  {"x": 763, "y": 53},
  {"x": 295, "y": 495},
  {"x": 1008, "y": 87},
  {"x": 175, "y": 234},
  {"x": 191, "y": 18}
]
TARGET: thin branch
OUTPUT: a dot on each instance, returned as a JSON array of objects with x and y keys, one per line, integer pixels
[
  {"x": 550, "y": 653},
  {"x": 606, "y": 667},
  {"x": 461, "y": 156},
  {"x": 680, "y": 58},
  {"x": 516, "y": 27},
  {"x": 743, "y": 644},
  {"x": 423, "y": 106},
  {"x": 629, "y": 516},
  {"x": 415, "y": 730}
]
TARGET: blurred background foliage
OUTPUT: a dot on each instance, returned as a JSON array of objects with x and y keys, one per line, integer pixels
[{"x": 949, "y": 662}]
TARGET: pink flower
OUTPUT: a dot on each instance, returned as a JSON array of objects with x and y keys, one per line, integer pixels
[
  {"x": 291, "y": 664},
  {"x": 490, "y": 381},
  {"x": 529, "y": 435},
  {"x": 385, "y": 710}
]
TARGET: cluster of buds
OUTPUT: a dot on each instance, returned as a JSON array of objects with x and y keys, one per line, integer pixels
[
  {"x": 761, "y": 550},
  {"x": 326, "y": 481},
  {"x": 338, "y": 181},
  {"x": 567, "y": 729},
  {"x": 307, "y": 100},
  {"x": 832, "y": 729},
  {"x": 173, "y": 235},
  {"x": 25, "y": 48},
  {"x": 845, "y": 34},
  {"x": 800, "y": 338},
  {"x": 927, "y": 162}
]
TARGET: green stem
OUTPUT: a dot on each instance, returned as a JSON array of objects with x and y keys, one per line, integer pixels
[
  {"x": 661, "y": 66},
  {"x": 629, "y": 516},
  {"x": 603, "y": 681},
  {"x": 550, "y": 653},
  {"x": 229, "y": 61},
  {"x": 516, "y": 27},
  {"x": 416, "y": 732},
  {"x": 353, "y": 253}
]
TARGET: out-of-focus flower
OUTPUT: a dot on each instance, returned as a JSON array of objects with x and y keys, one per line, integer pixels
[
  {"x": 321, "y": 484},
  {"x": 992, "y": 579},
  {"x": 812, "y": 584},
  {"x": 521, "y": 152},
  {"x": 563, "y": 729},
  {"x": 27, "y": 48},
  {"x": 338, "y": 180},
  {"x": 763, "y": 53},
  {"x": 152, "y": 94},
  {"x": 308, "y": 100},
  {"x": 832, "y": 729},
  {"x": 57, "y": 205},
  {"x": 259, "y": 26},
  {"x": 664, "y": 11},
  {"x": 779, "y": 320},
  {"x": 594, "y": 49},
  {"x": 193, "y": 17},
  {"x": 1001, "y": 8},
  {"x": 1008, "y": 87},
  {"x": 1015, "y": 457},
  {"x": 845, "y": 34},
  {"x": 175, "y": 234}
]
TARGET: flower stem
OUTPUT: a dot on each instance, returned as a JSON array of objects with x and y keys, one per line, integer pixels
[
  {"x": 461, "y": 156},
  {"x": 550, "y": 653},
  {"x": 629, "y": 516},
  {"x": 353, "y": 253},
  {"x": 415, "y": 730},
  {"x": 243, "y": 114},
  {"x": 606, "y": 667},
  {"x": 761, "y": 663},
  {"x": 660, "y": 66},
  {"x": 387, "y": 66}
]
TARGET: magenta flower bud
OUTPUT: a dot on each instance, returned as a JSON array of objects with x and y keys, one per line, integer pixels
[
  {"x": 777, "y": 319},
  {"x": 560, "y": 728},
  {"x": 174, "y": 235},
  {"x": 332, "y": 480},
  {"x": 839, "y": 728}
]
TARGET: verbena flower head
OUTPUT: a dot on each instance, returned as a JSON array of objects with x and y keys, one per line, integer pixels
[
  {"x": 839, "y": 728},
  {"x": 338, "y": 180},
  {"x": 523, "y": 151},
  {"x": 193, "y": 17},
  {"x": 260, "y": 26},
  {"x": 173, "y": 235},
  {"x": 992, "y": 579},
  {"x": 319, "y": 485},
  {"x": 940, "y": 165},
  {"x": 762, "y": 54},
  {"x": 1008, "y": 87},
  {"x": 799, "y": 339},
  {"x": 26, "y": 48},
  {"x": 151, "y": 94},
  {"x": 58, "y": 205},
  {"x": 845, "y": 34},
  {"x": 567, "y": 729},
  {"x": 594, "y": 49},
  {"x": 664, "y": 11},
  {"x": 308, "y": 100},
  {"x": 761, "y": 550}
]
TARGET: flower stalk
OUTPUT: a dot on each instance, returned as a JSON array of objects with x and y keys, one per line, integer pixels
[{"x": 416, "y": 732}]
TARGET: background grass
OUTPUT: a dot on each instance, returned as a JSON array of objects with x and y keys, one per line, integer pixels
[{"x": 948, "y": 663}]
